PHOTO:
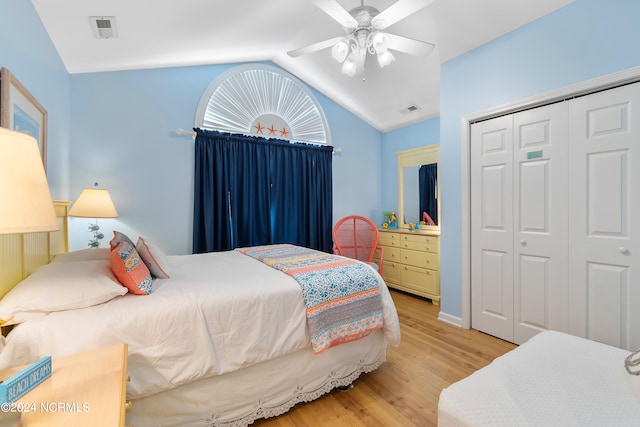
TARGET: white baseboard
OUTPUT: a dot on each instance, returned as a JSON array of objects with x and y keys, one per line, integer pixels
[{"x": 452, "y": 320}]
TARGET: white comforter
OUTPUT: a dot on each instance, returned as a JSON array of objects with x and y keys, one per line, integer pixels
[{"x": 218, "y": 313}]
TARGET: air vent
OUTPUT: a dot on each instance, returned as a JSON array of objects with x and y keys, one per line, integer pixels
[
  {"x": 104, "y": 27},
  {"x": 409, "y": 109}
]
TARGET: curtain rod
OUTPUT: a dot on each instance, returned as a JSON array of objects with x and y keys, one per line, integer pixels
[{"x": 181, "y": 131}]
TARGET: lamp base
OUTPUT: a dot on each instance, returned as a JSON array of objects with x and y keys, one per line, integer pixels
[{"x": 97, "y": 235}]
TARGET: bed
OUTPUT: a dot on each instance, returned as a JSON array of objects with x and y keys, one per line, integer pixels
[
  {"x": 554, "y": 379},
  {"x": 207, "y": 346}
]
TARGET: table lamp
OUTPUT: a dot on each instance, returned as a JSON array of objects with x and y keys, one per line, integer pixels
[
  {"x": 25, "y": 201},
  {"x": 95, "y": 203}
]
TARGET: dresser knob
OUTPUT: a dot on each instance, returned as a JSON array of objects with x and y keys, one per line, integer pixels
[
  {"x": 128, "y": 378},
  {"x": 127, "y": 405},
  {"x": 623, "y": 250}
]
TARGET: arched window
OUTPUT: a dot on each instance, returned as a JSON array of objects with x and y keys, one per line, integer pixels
[{"x": 262, "y": 100}]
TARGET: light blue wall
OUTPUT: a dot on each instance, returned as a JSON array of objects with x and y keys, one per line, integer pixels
[
  {"x": 28, "y": 53},
  {"x": 123, "y": 137},
  {"x": 420, "y": 134},
  {"x": 584, "y": 40}
]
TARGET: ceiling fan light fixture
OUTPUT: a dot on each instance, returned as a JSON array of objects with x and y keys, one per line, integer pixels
[
  {"x": 349, "y": 66},
  {"x": 363, "y": 27},
  {"x": 385, "y": 58},
  {"x": 379, "y": 42},
  {"x": 340, "y": 51}
]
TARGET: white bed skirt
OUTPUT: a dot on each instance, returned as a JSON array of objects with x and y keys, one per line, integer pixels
[{"x": 264, "y": 390}]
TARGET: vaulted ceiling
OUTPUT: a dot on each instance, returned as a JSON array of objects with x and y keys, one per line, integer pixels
[{"x": 154, "y": 34}]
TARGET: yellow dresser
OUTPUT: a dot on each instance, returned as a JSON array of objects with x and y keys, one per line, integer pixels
[{"x": 412, "y": 262}]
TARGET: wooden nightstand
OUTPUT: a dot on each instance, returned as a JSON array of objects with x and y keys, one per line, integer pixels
[{"x": 85, "y": 389}]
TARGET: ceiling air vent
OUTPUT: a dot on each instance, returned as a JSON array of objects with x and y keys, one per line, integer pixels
[
  {"x": 409, "y": 109},
  {"x": 104, "y": 27}
]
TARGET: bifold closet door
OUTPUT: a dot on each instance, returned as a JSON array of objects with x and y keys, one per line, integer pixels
[
  {"x": 605, "y": 216},
  {"x": 519, "y": 223},
  {"x": 540, "y": 212},
  {"x": 492, "y": 227}
]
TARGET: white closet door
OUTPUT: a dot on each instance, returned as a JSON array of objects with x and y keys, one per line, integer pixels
[
  {"x": 492, "y": 227},
  {"x": 604, "y": 216},
  {"x": 540, "y": 212}
]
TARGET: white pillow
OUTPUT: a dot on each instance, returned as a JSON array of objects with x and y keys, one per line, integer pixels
[
  {"x": 60, "y": 286},
  {"x": 91, "y": 254}
]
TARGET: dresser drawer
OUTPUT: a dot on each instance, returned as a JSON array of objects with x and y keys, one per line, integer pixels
[
  {"x": 419, "y": 238},
  {"x": 419, "y": 259},
  {"x": 420, "y": 246},
  {"x": 392, "y": 254},
  {"x": 421, "y": 279},
  {"x": 389, "y": 239},
  {"x": 391, "y": 272}
]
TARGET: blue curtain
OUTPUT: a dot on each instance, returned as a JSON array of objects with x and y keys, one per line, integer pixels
[
  {"x": 428, "y": 179},
  {"x": 254, "y": 191}
]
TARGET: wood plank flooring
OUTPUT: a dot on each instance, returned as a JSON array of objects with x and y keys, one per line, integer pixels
[{"x": 405, "y": 390}]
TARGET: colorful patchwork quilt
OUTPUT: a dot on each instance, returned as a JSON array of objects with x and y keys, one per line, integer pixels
[{"x": 341, "y": 295}]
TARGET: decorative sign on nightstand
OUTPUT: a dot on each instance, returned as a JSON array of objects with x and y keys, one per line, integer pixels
[{"x": 24, "y": 381}]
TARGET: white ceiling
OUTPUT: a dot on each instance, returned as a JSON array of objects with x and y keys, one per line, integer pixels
[{"x": 154, "y": 33}]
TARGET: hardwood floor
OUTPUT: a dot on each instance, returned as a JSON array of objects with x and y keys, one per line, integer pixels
[{"x": 405, "y": 390}]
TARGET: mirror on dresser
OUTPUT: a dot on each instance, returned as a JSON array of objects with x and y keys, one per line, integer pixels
[
  {"x": 411, "y": 259},
  {"x": 418, "y": 189}
]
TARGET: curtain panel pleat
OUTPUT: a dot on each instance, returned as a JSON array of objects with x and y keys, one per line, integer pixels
[{"x": 254, "y": 191}]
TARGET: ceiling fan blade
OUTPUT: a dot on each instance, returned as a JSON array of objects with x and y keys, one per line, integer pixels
[
  {"x": 397, "y": 11},
  {"x": 407, "y": 45},
  {"x": 337, "y": 12},
  {"x": 314, "y": 47}
]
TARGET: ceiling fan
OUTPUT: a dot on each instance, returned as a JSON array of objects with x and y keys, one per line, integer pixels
[{"x": 362, "y": 26}]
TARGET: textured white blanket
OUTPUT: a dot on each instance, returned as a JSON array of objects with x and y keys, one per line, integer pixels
[{"x": 554, "y": 379}]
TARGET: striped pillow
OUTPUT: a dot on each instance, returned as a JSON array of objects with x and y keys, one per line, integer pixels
[
  {"x": 129, "y": 269},
  {"x": 154, "y": 258},
  {"x": 119, "y": 237}
]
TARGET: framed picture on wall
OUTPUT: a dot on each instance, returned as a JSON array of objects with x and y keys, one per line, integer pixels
[{"x": 20, "y": 111}]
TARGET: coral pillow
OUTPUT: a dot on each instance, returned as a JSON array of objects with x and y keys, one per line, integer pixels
[
  {"x": 119, "y": 237},
  {"x": 154, "y": 258},
  {"x": 130, "y": 270}
]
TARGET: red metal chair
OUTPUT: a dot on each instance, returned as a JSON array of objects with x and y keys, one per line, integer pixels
[{"x": 357, "y": 237}]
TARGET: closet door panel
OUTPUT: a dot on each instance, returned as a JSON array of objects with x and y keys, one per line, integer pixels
[
  {"x": 540, "y": 221},
  {"x": 492, "y": 227},
  {"x": 534, "y": 292},
  {"x": 607, "y": 289},
  {"x": 604, "y": 206}
]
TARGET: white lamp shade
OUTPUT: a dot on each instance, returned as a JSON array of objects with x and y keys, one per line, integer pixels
[
  {"x": 25, "y": 200},
  {"x": 94, "y": 203}
]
